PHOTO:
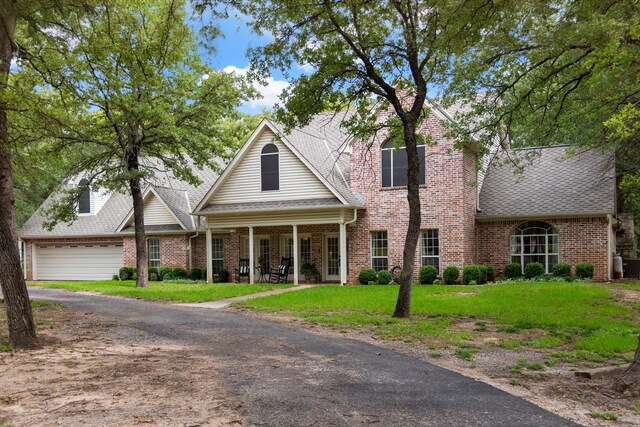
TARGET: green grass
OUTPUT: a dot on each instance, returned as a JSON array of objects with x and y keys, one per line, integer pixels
[
  {"x": 164, "y": 291},
  {"x": 610, "y": 416},
  {"x": 582, "y": 317},
  {"x": 6, "y": 347}
]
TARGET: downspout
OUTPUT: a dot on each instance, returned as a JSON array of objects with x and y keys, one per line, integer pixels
[
  {"x": 355, "y": 217},
  {"x": 191, "y": 245}
]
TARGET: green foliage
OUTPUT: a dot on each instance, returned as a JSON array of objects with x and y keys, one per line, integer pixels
[
  {"x": 166, "y": 273},
  {"x": 490, "y": 273},
  {"x": 609, "y": 416},
  {"x": 115, "y": 277},
  {"x": 437, "y": 282},
  {"x": 512, "y": 270},
  {"x": 476, "y": 273},
  {"x": 428, "y": 274},
  {"x": 561, "y": 269},
  {"x": 384, "y": 277},
  {"x": 179, "y": 273},
  {"x": 196, "y": 274},
  {"x": 366, "y": 276},
  {"x": 533, "y": 269},
  {"x": 451, "y": 274},
  {"x": 126, "y": 273},
  {"x": 6, "y": 348},
  {"x": 584, "y": 270},
  {"x": 223, "y": 275},
  {"x": 309, "y": 269},
  {"x": 154, "y": 276}
]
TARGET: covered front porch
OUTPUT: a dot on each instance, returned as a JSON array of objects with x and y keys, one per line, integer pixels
[{"x": 303, "y": 236}]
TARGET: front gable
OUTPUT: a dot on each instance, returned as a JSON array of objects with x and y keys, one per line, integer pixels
[
  {"x": 156, "y": 212},
  {"x": 241, "y": 181}
]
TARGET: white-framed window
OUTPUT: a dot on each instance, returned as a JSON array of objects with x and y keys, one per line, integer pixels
[
  {"x": 304, "y": 248},
  {"x": 430, "y": 248},
  {"x": 260, "y": 248},
  {"x": 379, "y": 250},
  {"x": 154, "y": 254},
  {"x": 217, "y": 254},
  {"x": 270, "y": 168},
  {"x": 535, "y": 241},
  {"x": 394, "y": 164},
  {"x": 84, "y": 203}
]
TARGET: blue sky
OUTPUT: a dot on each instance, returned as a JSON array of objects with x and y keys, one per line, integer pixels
[{"x": 231, "y": 55}]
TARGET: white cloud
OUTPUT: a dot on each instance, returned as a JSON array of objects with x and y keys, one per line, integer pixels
[
  {"x": 270, "y": 92},
  {"x": 306, "y": 67}
]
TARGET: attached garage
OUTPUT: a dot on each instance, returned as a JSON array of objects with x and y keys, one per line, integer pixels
[{"x": 77, "y": 261}]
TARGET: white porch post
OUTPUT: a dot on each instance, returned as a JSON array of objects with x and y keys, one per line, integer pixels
[
  {"x": 209, "y": 258},
  {"x": 343, "y": 254},
  {"x": 251, "y": 269},
  {"x": 295, "y": 254}
]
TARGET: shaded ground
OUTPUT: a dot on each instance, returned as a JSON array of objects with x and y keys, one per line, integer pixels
[
  {"x": 94, "y": 372},
  {"x": 286, "y": 376}
]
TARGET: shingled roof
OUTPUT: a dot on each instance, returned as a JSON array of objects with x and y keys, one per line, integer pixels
[{"x": 550, "y": 183}]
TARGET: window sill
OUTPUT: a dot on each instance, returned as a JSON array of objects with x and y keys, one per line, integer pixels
[{"x": 401, "y": 188}]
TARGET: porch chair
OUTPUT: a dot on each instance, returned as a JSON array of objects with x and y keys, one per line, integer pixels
[
  {"x": 243, "y": 270},
  {"x": 280, "y": 274}
]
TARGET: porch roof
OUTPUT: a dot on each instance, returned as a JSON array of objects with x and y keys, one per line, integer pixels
[{"x": 279, "y": 205}]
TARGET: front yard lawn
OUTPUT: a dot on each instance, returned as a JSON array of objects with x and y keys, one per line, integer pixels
[
  {"x": 183, "y": 292},
  {"x": 574, "y": 320}
]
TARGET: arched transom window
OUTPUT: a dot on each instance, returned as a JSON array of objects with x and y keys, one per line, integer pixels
[
  {"x": 535, "y": 241},
  {"x": 84, "y": 204},
  {"x": 394, "y": 164},
  {"x": 270, "y": 168}
]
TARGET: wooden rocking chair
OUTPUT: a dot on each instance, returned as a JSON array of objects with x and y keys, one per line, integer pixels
[
  {"x": 243, "y": 270},
  {"x": 280, "y": 274}
]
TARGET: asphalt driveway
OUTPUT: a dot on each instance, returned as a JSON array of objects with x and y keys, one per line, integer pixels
[{"x": 286, "y": 376}]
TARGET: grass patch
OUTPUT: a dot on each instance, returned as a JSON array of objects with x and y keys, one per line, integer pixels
[
  {"x": 465, "y": 353},
  {"x": 6, "y": 347},
  {"x": 508, "y": 344},
  {"x": 609, "y": 416},
  {"x": 36, "y": 304},
  {"x": 545, "y": 342},
  {"x": 164, "y": 291}
]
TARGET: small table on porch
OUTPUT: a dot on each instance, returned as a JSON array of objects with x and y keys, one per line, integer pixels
[{"x": 262, "y": 274}]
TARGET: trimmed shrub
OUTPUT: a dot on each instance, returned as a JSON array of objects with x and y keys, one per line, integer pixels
[
  {"x": 115, "y": 277},
  {"x": 490, "y": 272},
  {"x": 561, "y": 269},
  {"x": 127, "y": 273},
  {"x": 584, "y": 270},
  {"x": 533, "y": 269},
  {"x": 473, "y": 283},
  {"x": 179, "y": 273},
  {"x": 436, "y": 282},
  {"x": 384, "y": 277},
  {"x": 195, "y": 273},
  {"x": 367, "y": 275},
  {"x": 512, "y": 271},
  {"x": 450, "y": 275},
  {"x": 223, "y": 275},
  {"x": 166, "y": 273},
  {"x": 475, "y": 273},
  {"x": 428, "y": 274},
  {"x": 154, "y": 276}
]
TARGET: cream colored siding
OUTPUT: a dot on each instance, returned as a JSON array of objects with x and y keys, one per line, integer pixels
[
  {"x": 278, "y": 218},
  {"x": 98, "y": 200},
  {"x": 82, "y": 261},
  {"x": 156, "y": 213},
  {"x": 296, "y": 180}
]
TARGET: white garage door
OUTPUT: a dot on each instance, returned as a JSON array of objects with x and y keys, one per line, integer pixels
[{"x": 82, "y": 261}]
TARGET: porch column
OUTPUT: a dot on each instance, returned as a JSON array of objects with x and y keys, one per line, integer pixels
[
  {"x": 295, "y": 254},
  {"x": 343, "y": 254},
  {"x": 209, "y": 258},
  {"x": 251, "y": 269}
]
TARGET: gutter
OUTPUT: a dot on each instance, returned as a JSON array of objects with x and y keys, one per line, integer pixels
[{"x": 191, "y": 244}]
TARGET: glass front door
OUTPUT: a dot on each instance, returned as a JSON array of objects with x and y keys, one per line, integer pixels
[{"x": 331, "y": 257}]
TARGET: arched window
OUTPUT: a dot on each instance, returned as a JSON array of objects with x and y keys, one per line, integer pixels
[
  {"x": 84, "y": 204},
  {"x": 394, "y": 164},
  {"x": 270, "y": 168},
  {"x": 535, "y": 241}
]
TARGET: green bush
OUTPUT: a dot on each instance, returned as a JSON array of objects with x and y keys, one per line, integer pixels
[
  {"x": 561, "y": 269},
  {"x": 154, "y": 276},
  {"x": 533, "y": 269},
  {"x": 115, "y": 277},
  {"x": 436, "y": 282},
  {"x": 475, "y": 273},
  {"x": 166, "y": 273},
  {"x": 367, "y": 275},
  {"x": 179, "y": 273},
  {"x": 512, "y": 271},
  {"x": 473, "y": 283},
  {"x": 195, "y": 273},
  {"x": 584, "y": 270},
  {"x": 384, "y": 277},
  {"x": 428, "y": 274},
  {"x": 223, "y": 275},
  {"x": 127, "y": 273},
  {"x": 450, "y": 275},
  {"x": 489, "y": 272}
]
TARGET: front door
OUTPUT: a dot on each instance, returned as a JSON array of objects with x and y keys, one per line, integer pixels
[{"x": 331, "y": 257}]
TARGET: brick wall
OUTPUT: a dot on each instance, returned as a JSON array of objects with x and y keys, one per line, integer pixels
[
  {"x": 174, "y": 250},
  {"x": 448, "y": 203},
  {"x": 581, "y": 239}
]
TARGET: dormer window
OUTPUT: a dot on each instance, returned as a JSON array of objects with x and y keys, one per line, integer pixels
[
  {"x": 84, "y": 204},
  {"x": 270, "y": 168},
  {"x": 394, "y": 164}
]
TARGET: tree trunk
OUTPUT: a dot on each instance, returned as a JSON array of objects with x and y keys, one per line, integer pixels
[
  {"x": 629, "y": 382},
  {"x": 403, "y": 305},
  {"x": 142, "y": 260},
  {"x": 22, "y": 331}
]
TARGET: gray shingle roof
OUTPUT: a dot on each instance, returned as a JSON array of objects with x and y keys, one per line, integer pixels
[
  {"x": 551, "y": 185},
  {"x": 272, "y": 205}
]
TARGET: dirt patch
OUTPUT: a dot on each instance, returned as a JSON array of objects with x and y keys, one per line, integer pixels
[
  {"x": 555, "y": 388},
  {"x": 101, "y": 373}
]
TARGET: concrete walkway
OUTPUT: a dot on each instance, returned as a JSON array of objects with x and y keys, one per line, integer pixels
[{"x": 226, "y": 302}]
